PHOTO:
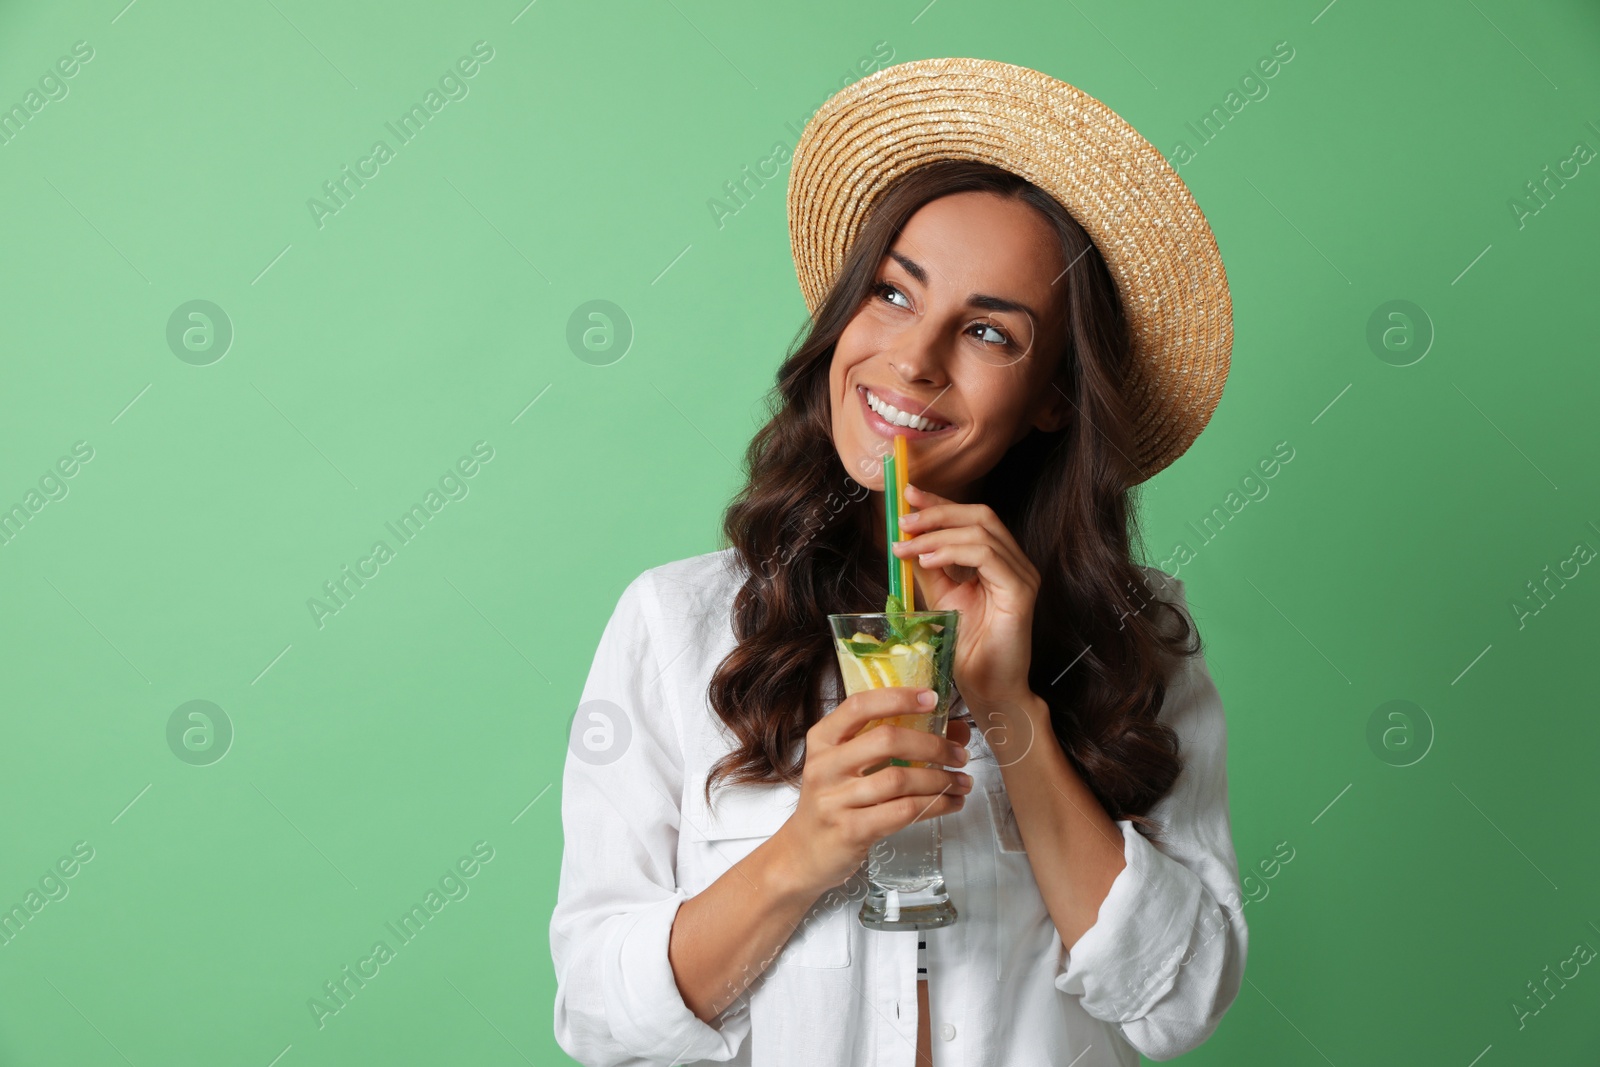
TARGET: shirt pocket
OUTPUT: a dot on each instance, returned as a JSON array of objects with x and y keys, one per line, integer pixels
[
  {"x": 1007, "y": 836},
  {"x": 715, "y": 839},
  {"x": 1023, "y": 924},
  {"x": 986, "y": 775}
]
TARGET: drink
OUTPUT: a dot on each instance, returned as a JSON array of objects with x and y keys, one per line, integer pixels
[{"x": 880, "y": 650}]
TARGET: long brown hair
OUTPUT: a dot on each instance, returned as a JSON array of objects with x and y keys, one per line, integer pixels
[{"x": 800, "y": 527}]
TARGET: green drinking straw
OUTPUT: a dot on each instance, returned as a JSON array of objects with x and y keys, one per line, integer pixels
[{"x": 891, "y": 516}]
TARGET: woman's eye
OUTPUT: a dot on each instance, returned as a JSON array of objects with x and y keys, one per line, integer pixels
[
  {"x": 1003, "y": 339},
  {"x": 884, "y": 289}
]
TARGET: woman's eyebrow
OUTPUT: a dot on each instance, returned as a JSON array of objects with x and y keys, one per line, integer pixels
[{"x": 979, "y": 300}]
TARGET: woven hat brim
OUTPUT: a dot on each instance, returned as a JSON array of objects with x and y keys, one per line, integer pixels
[{"x": 1155, "y": 240}]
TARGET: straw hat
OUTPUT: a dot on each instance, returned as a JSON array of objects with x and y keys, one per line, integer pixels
[{"x": 1130, "y": 201}]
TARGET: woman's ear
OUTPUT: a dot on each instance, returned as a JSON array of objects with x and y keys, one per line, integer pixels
[
  {"x": 1055, "y": 409},
  {"x": 1053, "y": 418}
]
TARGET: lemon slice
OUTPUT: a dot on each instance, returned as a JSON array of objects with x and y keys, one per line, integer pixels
[
  {"x": 856, "y": 674},
  {"x": 912, "y": 665}
]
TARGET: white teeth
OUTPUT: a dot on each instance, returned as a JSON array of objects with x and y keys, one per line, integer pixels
[{"x": 892, "y": 414}]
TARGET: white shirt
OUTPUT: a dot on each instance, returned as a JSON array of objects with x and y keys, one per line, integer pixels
[{"x": 1154, "y": 974}]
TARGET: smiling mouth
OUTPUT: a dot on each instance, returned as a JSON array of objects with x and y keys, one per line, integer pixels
[{"x": 896, "y": 420}]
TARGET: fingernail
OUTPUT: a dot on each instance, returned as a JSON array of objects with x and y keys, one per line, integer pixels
[
  {"x": 927, "y": 698},
  {"x": 964, "y": 778},
  {"x": 960, "y": 757}
]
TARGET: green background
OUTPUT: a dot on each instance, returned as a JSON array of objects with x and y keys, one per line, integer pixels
[{"x": 431, "y": 712}]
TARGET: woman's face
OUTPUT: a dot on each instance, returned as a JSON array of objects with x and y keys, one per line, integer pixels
[{"x": 962, "y": 329}]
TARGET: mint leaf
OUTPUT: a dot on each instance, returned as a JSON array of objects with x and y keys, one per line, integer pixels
[{"x": 894, "y": 613}]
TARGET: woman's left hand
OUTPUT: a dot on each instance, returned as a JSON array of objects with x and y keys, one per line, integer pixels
[{"x": 965, "y": 559}]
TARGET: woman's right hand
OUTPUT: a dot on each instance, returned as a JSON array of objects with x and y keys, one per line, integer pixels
[{"x": 843, "y": 812}]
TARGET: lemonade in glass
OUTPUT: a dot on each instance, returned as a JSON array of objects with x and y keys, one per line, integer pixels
[{"x": 902, "y": 648}]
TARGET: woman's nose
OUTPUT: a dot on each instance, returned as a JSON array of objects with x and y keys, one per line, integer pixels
[{"x": 920, "y": 355}]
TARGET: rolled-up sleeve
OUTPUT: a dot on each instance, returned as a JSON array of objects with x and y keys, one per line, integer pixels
[
  {"x": 1166, "y": 955},
  {"x": 617, "y": 1001}
]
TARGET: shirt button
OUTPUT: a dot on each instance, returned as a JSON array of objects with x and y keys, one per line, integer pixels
[{"x": 948, "y": 1031}]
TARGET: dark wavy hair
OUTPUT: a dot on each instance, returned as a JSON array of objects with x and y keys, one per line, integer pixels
[{"x": 801, "y": 528}]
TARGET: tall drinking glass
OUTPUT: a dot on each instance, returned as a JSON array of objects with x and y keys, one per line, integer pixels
[{"x": 914, "y": 648}]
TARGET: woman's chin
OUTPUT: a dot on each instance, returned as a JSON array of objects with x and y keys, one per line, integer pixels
[{"x": 864, "y": 466}]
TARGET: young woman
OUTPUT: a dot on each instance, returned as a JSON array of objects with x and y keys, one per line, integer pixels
[{"x": 716, "y": 815}]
